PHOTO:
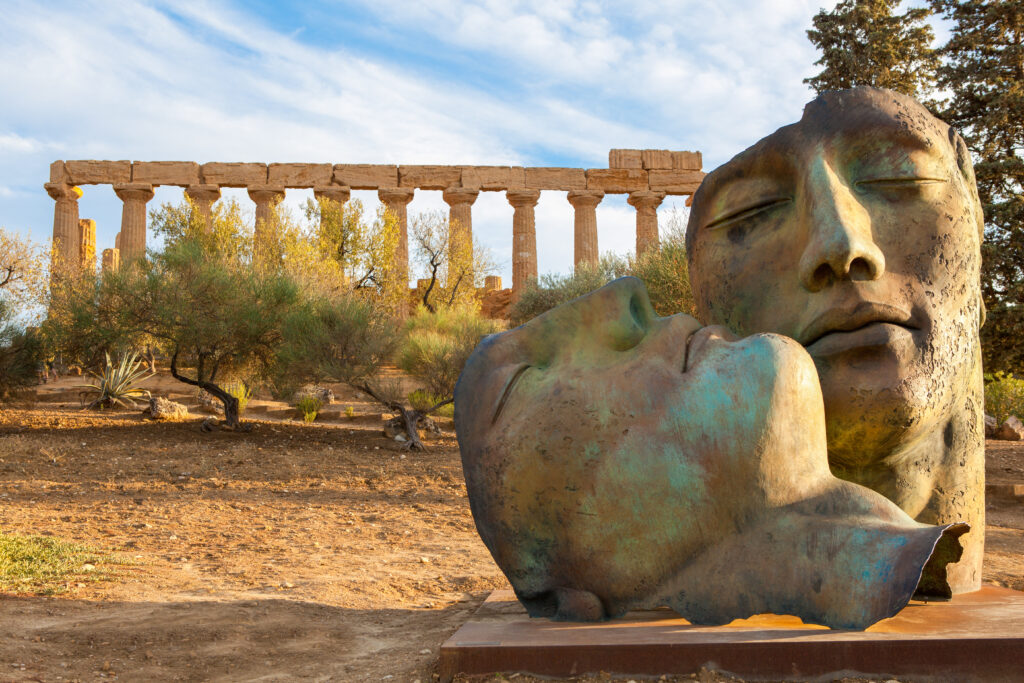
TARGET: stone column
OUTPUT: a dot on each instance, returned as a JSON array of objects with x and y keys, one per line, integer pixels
[
  {"x": 460, "y": 218},
  {"x": 87, "y": 245},
  {"x": 133, "y": 219},
  {"x": 203, "y": 196},
  {"x": 397, "y": 201},
  {"x": 65, "y": 225},
  {"x": 524, "y": 237},
  {"x": 646, "y": 204},
  {"x": 266, "y": 198},
  {"x": 117, "y": 241},
  {"x": 111, "y": 259},
  {"x": 585, "y": 239},
  {"x": 337, "y": 195}
]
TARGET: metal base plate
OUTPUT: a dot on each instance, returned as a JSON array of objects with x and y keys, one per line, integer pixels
[{"x": 976, "y": 636}]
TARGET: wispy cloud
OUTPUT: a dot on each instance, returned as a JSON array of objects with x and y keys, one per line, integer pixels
[{"x": 528, "y": 82}]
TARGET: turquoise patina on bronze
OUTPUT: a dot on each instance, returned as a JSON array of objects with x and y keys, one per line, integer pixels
[
  {"x": 856, "y": 231},
  {"x": 617, "y": 460}
]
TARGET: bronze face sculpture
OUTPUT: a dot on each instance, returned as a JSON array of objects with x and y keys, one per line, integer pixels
[
  {"x": 856, "y": 231},
  {"x": 617, "y": 460}
]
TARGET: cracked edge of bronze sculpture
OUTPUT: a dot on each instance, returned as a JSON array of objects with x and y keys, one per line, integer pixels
[{"x": 617, "y": 460}]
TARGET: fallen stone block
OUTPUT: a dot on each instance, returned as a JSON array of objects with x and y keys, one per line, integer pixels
[{"x": 1011, "y": 430}]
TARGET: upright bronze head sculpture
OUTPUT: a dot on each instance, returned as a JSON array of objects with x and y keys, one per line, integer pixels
[
  {"x": 617, "y": 460},
  {"x": 856, "y": 231}
]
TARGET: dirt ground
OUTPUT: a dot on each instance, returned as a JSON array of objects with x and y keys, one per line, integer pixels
[{"x": 297, "y": 551}]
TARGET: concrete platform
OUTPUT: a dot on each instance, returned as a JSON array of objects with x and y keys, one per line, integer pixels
[{"x": 976, "y": 636}]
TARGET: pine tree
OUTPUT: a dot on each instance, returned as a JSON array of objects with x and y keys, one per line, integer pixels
[
  {"x": 863, "y": 42},
  {"x": 983, "y": 70}
]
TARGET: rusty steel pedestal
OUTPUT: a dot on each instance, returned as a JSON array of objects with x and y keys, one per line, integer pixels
[{"x": 976, "y": 636}]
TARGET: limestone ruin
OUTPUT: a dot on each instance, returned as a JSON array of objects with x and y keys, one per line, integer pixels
[{"x": 646, "y": 176}]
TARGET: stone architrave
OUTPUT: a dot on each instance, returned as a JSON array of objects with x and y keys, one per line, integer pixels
[
  {"x": 266, "y": 198},
  {"x": 646, "y": 205},
  {"x": 397, "y": 200},
  {"x": 92, "y": 172},
  {"x": 460, "y": 218},
  {"x": 585, "y": 225},
  {"x": 524, "y": 237},
  {"x": 87, "y": 245},
  {"x": 111, "y": 259},
  {"x": 203, "y": 196},
  {"x": 133, "y": 218},
  {"x": 65, "y": 224}
]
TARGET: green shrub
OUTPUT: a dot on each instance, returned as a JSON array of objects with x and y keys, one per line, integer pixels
[
  {"x": 310, "y": 407},
  {"x": 21, "y": 354},
  {"x": 437, "y": 345},
  {"x": 1004, "y": 396},
  {"x": 350, "y": 412},
  {"x": 117, "y": 384},
  {"x": 663, "y": 271},
  {"x": 423, "y": 401}
]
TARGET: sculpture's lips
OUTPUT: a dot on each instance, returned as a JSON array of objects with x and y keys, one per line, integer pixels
[{"x": 865, "y": 324}]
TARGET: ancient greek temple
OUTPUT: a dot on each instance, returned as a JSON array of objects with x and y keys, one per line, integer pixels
[{"x": 646, "y": 176}]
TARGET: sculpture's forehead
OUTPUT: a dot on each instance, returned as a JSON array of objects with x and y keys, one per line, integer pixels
[{"x": 846, "y": 121}]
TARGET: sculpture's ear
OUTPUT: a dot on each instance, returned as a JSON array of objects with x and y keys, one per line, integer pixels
[{"x": 966, "y": 167}]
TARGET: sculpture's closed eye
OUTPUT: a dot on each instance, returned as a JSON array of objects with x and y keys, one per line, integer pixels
[
  {"x": 734, "y": 216},
  {"x": 898, "y": 182}
]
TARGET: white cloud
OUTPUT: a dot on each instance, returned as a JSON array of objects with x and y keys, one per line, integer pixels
[{"x": 555, "y": 83}]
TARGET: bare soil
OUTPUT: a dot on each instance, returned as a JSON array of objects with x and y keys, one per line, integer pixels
[{"x": 297, "y": 551}]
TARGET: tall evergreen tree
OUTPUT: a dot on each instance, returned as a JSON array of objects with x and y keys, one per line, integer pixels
[
  {"x": 983, "y": 70},
  {"x": 863, "y": 42}
]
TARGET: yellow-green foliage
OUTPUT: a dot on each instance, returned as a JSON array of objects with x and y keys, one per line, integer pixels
[
  {"x": 424, "y": 400},
  {"x": 310, "y": 407},
  {"x": 241, "y": 392},
  {"x": 40, "y": 564},
  {"x": 1004, "y": 396},
  {"x": 350, "y": 412}
]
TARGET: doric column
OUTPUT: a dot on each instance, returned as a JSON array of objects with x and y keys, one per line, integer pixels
[
  {"x": 133, "y": 219},
  {"x": 397, "y": 200},
  {"x": 111, "y": 259},
  {"x": 460, "y": 218},
  {"x": 646, "y": 204},
  {"x": 117, "y": 241},
  {"x": 266, "y": 198},
  {"x": 203, "y": 196},
  {"x": 87, "y": 245},
  {"x": 65, "y": 225},
  {"x": 337, "y": 196},
  {"x": 585, "y": 239},
  {"x": 524, "y": 237}
]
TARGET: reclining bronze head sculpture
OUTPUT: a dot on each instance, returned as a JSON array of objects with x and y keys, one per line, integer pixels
[{"x": 617, "y": 460}]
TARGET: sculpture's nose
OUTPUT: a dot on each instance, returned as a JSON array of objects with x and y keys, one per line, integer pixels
[
  {"x": 615, "y": 316},
  {"x": 840, "y": 244}
]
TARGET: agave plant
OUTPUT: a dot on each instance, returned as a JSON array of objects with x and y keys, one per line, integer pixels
[{"x": 117, "y": 384}]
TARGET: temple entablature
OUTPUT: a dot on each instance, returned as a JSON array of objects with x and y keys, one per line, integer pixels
[{"x": 646, "y": 176}]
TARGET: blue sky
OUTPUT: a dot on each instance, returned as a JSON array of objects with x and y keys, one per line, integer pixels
[{"x": 541, "y": 82}]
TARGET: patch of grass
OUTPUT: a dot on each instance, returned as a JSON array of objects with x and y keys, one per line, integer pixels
[
  {"x": 45, "y": 565},
  {"x": 350, "y": 412},
  {"x": 242, "y": 392}
]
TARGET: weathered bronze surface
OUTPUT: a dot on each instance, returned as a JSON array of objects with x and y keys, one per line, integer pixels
[
  {"x": 616, "y": 460},
  {"x": 856, "y": 231}
]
